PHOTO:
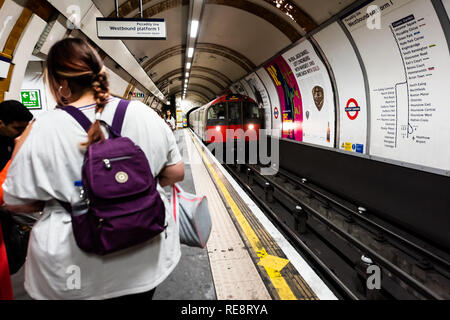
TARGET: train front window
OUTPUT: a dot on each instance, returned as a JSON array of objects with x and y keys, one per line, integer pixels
[
  {"x": 234, "y": 113},
  {"x": 251, "y": 111},
  {"x": 217, "y": 115}
]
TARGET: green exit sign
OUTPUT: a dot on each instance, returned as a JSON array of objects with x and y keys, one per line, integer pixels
[{"x": 31, "y": 99}]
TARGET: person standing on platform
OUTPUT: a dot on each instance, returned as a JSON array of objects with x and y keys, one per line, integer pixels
[
  {"x": 50, "y": 161},
  {"x": 6, "y": 292},
  {"x": 170, "y": 120},
  {"x": 14, "y": 117}
]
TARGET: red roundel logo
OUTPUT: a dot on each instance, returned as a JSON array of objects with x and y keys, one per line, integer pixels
[
  {"x": 352, "y": 106},
  {"x": 276, "y": 113}
]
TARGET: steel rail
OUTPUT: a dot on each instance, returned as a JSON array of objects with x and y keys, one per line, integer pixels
[
  {"x": 381, "y": 228},
  {"x": 419, "y": 287},
  {"x": 344, "y": 290}
]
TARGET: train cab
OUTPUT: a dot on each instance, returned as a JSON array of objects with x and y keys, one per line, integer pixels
[{"x": 229, "y": 117}]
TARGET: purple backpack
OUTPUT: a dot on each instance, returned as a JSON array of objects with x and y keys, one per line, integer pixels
[{"x": 125, "y": 208}]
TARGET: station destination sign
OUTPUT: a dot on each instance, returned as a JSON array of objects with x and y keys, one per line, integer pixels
[{"x": 129, "y": 28}]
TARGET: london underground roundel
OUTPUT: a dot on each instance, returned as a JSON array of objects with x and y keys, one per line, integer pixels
[{"x": 352, "y": 109}]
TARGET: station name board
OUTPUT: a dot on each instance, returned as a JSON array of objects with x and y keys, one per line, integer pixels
[{"x": 124, "y": 28}]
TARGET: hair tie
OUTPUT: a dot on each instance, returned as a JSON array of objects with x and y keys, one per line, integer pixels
[{"x": 98, "y": 116}]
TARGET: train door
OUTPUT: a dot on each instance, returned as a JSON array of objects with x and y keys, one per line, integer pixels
[
  {"x": 202, "y": 122},
  {"x": 235, "y": 118},
  {"x": 252, "y": 118}
]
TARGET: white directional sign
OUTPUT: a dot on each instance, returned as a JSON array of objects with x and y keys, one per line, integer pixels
[{"x": 123, "y": 28}]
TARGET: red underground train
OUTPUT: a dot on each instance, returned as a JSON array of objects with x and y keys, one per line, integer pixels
[{"x": 227, "y": 117}]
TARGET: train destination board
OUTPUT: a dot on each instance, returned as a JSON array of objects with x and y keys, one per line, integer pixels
[{"x": 407, "y": 62}]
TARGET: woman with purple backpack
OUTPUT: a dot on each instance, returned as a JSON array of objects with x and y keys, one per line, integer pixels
[{"x": 54, "y": 158}]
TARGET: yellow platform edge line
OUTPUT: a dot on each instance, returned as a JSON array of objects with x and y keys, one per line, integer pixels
[{"x": 273, "y": 265}]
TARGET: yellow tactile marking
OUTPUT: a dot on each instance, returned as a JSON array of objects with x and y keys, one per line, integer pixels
[{"x": 272, "y": 264}]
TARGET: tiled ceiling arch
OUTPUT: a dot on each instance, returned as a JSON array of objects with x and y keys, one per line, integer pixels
[
  {"x": 225, "y": 52},
  {"x": 301, "y": 18},
  {"x": 200, "y": 87},
  {"x": 214, "y": 73},
  {"x": 204, "y": 97},
  {"x": 177, "y": 74}
]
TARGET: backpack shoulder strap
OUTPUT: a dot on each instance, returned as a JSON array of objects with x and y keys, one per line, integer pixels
[
  {"x": 119, "y": 116},
  {"x": 78, "y": 115}
]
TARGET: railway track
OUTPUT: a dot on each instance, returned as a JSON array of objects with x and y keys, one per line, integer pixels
[{"x": 345, "y": 243}]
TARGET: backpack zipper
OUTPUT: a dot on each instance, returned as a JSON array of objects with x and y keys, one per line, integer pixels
[{"x": 107, "y": 162}]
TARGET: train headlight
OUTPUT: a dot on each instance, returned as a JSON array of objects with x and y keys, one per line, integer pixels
[
  {"x": 217, "y": 128},
  {"x": 251, "y": 127}
]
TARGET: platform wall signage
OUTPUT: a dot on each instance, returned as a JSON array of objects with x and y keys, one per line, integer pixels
[
  {"x": 124, "y": 28},
  {"x": 274, "y": 101},
  {"x": 180, "y": 118},
  {"x": 31, "y": 99},
  {"x": 289, "y": 97},
  {"x": 316, "y": 95},
  {"x": 260, "y": 96},
  {"x": 353, "y": 109},
  {"x": 138, "y": 95},
  {"x": 407, "y": 63}
]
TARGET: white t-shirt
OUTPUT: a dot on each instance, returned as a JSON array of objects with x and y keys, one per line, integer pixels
[
  {"x": 171, "y": 122},
  {"x": 46, "y": 168}
]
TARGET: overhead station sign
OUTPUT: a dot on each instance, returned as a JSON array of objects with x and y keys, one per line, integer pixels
[{"x": 123, "y": 28}]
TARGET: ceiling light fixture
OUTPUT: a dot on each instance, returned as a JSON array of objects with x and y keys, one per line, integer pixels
[
  {"x": 194, "y": 28},
  {"x": 190, "y": 52}
]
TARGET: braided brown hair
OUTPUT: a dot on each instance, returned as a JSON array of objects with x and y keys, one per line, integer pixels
[{"x": 75, "y": 61}]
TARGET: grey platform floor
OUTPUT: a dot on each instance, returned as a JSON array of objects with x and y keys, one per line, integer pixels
[{"x": 191, "y": 279}]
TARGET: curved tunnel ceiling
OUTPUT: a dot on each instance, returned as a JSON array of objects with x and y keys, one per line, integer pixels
[{"x": 234, "y": 37}]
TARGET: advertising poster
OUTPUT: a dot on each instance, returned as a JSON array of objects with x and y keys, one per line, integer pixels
[
  {"x": 353, "y": 108},
  {"x": 233, "y": 89},
  {"x": 316, "y": 94},
  {"x": 267, "y": 81},
  {"x": 261, "y": 97},
  {"x": 406, "y": 56},
  {"x": 180, "y": 118},
  {"x": 247, "y": 89},
  {"x": 290, "y": 98},
  {"x": 239, "y": 89}
]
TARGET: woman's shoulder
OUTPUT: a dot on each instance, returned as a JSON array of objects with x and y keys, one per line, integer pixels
[
  {"x": 142, "y": 112},
  {"x": 141, "y": 108},
  {"x": 51, "y": 119}
]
